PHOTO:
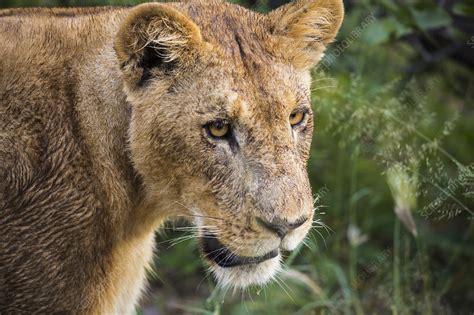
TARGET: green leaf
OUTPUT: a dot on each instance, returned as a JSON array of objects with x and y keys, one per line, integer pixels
[
  {"x": 383, "y": 30},
  {"x": 376, "y": 33},
  {"x": 465, "y": 9},
  {"x": 430, "y": 18}
]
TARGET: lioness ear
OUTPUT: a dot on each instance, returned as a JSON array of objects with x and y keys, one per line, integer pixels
[
  {"x": 155, "y": 40},
  {"x": 305, "y": 28}
]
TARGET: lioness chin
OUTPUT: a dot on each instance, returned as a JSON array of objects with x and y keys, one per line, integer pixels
[{"x": 114, "y": 120}]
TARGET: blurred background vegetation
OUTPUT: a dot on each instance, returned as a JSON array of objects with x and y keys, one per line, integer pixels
[{"x": 391, "y": 166}]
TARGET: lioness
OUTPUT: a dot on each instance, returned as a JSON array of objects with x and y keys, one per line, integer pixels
[{"x": 114, "y": 120}]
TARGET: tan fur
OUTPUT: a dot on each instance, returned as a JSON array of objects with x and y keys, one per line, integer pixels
[{"x": 103, "y": 138}]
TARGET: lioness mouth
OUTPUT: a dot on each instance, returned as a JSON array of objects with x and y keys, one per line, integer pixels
[{"x": 222, "y": 256}]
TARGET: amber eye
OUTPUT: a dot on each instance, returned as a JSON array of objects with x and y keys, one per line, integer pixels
[
  {"x": 218, "y": 128},
  {"x": 296, "y": 117}
]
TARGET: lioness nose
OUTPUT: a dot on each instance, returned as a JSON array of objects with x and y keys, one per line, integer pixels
[{"x": 280, "y": 226}]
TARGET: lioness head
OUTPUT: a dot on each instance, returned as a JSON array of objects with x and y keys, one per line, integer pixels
[{"x": 222, "y": 123}]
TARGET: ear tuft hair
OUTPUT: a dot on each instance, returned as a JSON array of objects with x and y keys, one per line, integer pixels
[
  {"x": 306, "y": 27},
  {"x": 156, "y": 39}
]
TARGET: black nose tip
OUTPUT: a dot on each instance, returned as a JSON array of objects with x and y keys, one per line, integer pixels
[{"x": 280, "y": 226}]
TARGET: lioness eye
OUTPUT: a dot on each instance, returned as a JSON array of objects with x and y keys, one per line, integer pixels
[
  {"x": 218, "y": 128},
  {"x": 296, "y": 117}
]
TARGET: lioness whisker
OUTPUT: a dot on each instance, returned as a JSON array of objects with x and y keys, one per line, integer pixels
[
  {"x": 207, "y": 273},
  {"x": 226, "y": 290},
  {"x": 187, "y": 228},
  {"x": 219, "y": 250},
  {"x": 193, "y": 213},
  {"x": 280, "y": 283},
  {"x": 201, "y": 216},
  {"x": 311, "y": 236},
  {"x": 305, "y": 243},
  {"x": 176, "y": 242},
  {"x": 181, "y": 239},
  {"x": 318, "y": 223},
  {"x": 322, "y": 237},
  {"x": 323, "y": 87}
]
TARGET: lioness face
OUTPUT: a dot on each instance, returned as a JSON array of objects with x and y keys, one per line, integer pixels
[
  {"x": 245, "y": 146},
  {"x": 222, "y": 123}
]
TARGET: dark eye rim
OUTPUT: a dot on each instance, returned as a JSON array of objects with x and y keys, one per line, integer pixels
[
  {"x": 224, "y": 121},
  {"x": 305, "y": 113}
]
